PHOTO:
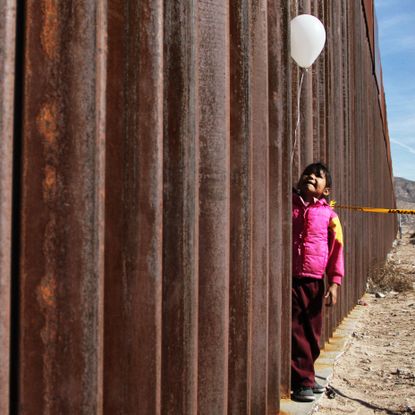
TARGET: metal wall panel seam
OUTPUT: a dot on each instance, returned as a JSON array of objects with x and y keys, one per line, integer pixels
[
  {"x": 134, "y": 214},
  {"x": 330, "y": 108},
  {"x": 101, "y": 48},
  {"x": 260, "y": 205},
  {"x": 319, "y": 103},
  {"x": 279, "y": 63},
  {"x": 240, "y": 284},
  {"x": 346, "y": 118},
  {"x": 179, "y": 380},
  {"x": 287, "y": 9},
  {"x": 214, "y": 213},
  {"x": 351, "y": 159},
  {"x": 7, "y": 84}
]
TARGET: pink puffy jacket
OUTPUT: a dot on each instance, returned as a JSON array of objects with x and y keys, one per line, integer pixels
[{"x": 317, "y": 241}]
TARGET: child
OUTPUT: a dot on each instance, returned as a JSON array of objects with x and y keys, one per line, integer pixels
[{"x": 317, "y": 249}]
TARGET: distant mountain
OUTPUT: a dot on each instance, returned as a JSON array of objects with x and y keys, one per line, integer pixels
[
  {"x": 404, "y": 190},
  {"x": 405, "y": 199}
]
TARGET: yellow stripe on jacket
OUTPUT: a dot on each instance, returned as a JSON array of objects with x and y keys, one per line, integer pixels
[{"x": 336, "y": 227}]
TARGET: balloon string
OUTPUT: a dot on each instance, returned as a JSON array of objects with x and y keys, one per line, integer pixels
[{"x": 298, "y": 113}]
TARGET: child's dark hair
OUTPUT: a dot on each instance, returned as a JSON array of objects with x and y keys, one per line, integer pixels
[{"x": 318, "y": 168}]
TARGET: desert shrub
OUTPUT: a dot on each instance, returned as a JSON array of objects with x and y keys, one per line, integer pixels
[{"x": 389, "y": 277}]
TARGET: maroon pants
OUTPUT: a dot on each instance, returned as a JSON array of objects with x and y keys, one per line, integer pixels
[{"x": 307, "y": 303}]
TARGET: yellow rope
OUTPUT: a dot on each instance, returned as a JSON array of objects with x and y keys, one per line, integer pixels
[{"x": 370, "y": 209}]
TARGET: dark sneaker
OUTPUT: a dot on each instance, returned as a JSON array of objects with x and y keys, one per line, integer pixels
[
  {"x": 317, "y": 388},
  {"x": 303, "y": 394}
]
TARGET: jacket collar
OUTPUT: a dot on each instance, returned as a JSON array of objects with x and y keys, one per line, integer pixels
[{"x": 298, "y": 200}]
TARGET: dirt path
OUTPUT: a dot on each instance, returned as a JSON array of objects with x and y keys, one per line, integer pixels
[{"x": 376, "y": 373}]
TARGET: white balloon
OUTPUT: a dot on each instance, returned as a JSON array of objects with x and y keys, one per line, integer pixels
[{"x": 308, "y": 37}]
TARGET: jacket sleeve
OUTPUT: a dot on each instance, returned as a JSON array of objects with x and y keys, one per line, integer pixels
[{"x": 335, "y": 265}]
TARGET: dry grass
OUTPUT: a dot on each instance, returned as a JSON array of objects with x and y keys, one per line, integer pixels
[{"x": 389, "y": 277}]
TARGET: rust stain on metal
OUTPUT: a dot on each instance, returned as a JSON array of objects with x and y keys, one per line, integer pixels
[
  {"x": 46, "y": 292},
  {"x": 49, "y": 37},
  {"x": 47, "y": 123},
  {"x": 49, "y": 182},
  {"x": 46, "y": 297}
]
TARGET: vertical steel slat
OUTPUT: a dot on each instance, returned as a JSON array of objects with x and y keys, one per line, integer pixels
[
  {"x": 322, "y": 92},
  {"x": 279, "y": 96},
  {"x": 134, "y": 203},
  {"x": 328, "y": 145},
  {"x": 260, "y": 205},
  {"x": 319, "y": 109},
  {"x": 338, "y": 136},
  {"x": 62, "y": 208},
  {"x": 371, "y": 257},
  {"x": 286, "y": 187},
  {"x": 365, "y": 155},
  {"x": 345, "y": 174},
  {"x": 7, "y": 83},
  {"x": 286, "y": 9},
  {"x": 350, "y": 231},
  {"x": 335, "y": 133},
  {"x": 180, "y": 210},
  {"x": 276, "y": 95},
  {"x": 365, "y": 147},
  {"x": 240, "y": 276},
  {"x": 101, "y": 57},
  {"x": 358, "y": 146},
  {"x": 214, "y": 180}
]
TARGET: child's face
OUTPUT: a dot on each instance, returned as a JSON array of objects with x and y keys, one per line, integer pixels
[{"x": 313, "y": 185}]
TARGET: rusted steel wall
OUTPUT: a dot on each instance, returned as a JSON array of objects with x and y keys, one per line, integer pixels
[{"x": 152, "y": 198}]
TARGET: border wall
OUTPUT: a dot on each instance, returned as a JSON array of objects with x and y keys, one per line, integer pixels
[{"x": 145, "y": 179}]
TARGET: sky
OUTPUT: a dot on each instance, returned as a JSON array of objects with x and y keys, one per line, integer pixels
[{"x": 396, "y": 31}]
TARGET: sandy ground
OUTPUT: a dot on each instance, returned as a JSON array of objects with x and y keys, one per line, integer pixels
[{"x": 376, "y": 372}]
